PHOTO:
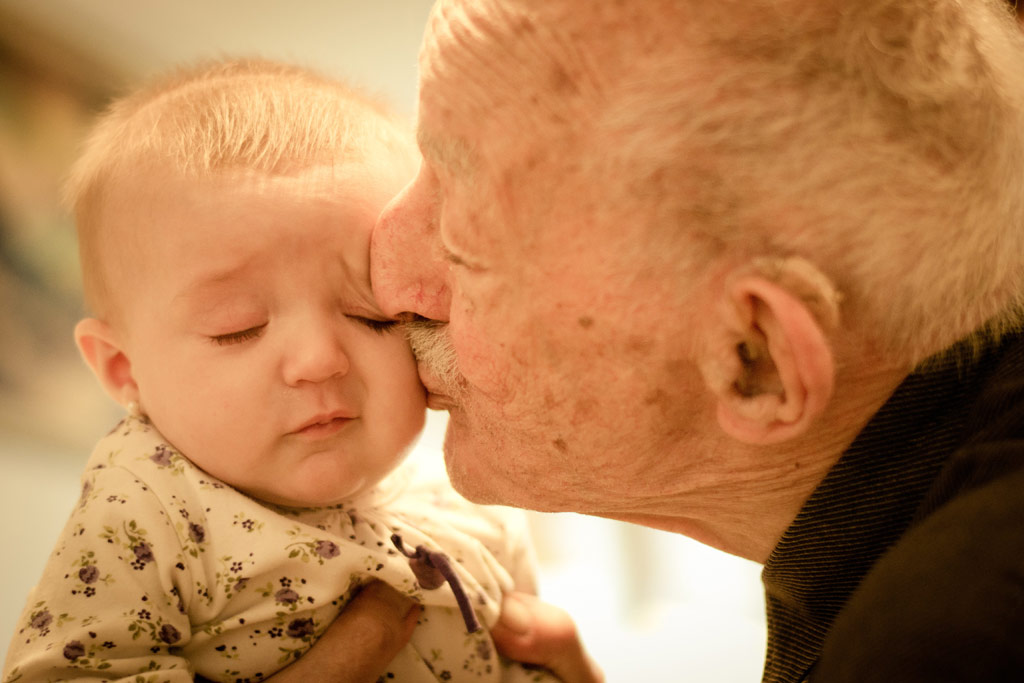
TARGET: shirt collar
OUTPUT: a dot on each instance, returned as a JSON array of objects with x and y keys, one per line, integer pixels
[{"x": 864, "y": 504}]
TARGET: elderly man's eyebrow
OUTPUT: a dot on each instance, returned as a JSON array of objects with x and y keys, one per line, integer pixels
[{"x": 452, "y": 154}]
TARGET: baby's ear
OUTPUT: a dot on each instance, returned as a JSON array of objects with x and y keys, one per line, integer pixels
[{"x": 104, "y": 353}]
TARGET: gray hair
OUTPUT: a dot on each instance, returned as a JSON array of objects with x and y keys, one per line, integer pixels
[{"x": 882, "y": 140}]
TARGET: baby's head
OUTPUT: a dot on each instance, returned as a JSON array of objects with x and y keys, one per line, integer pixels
[{"x": 224, "y": 216}]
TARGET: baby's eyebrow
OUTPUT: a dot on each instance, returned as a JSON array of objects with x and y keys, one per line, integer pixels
[{"x": 212, "y": 280}]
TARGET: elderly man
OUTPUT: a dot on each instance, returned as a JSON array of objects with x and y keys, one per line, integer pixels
[{"x": 751, "y": 273}]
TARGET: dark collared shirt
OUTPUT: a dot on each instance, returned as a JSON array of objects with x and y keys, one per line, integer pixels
[{"x": 952, "y": 428}]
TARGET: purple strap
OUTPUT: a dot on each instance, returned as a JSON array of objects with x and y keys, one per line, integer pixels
[{"x": 432, "y": 569}]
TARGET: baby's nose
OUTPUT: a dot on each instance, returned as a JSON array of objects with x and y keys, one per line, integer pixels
[{"x": 316, "y": 355}]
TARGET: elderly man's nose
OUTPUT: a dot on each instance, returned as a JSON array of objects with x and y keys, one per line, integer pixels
[{"x": 407, "y": 272}]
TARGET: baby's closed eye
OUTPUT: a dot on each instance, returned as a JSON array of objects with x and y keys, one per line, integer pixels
[
  {"x": 377, "y": 325},
  {"x": 239, "y": 336}
]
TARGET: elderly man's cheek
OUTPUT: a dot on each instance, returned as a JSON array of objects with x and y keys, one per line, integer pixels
[{"x": 486, "y": 363}]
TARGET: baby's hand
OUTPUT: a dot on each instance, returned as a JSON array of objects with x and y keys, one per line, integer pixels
[
  {"x": 535, "y": 632},
  {"x": 361, "y": 642}
]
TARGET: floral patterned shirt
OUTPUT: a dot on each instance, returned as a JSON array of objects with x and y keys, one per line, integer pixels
[{"x": 164, "y": 573}]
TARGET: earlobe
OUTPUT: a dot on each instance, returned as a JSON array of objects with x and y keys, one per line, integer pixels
[
  {"x": 775, "y": 367},
  {"x": 104, "y": 354}
]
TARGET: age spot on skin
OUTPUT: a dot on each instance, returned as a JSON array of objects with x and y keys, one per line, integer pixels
[
  {"x": 585, "y": 322},
  {"x": 583, "y": 411},
  {"x": 523, "y": 27},
  {"x": 561, "y": 81},
  {"x": 658, "y": 396},
  {"x": 639, "y": 344},
  {"x": 561, "y": 445}
]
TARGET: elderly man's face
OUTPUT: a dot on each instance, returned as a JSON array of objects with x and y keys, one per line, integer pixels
[{"x": 569, "y": 336}]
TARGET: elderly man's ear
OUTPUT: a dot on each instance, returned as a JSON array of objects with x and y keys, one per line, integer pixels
[{"x": 768, "y": 361}]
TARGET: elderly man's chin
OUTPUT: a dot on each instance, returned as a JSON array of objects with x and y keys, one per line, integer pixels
[
  {"x": 469, "y": 445},
  {"x": 468, "y": 457},
  {"x": 459, "y": 457}
]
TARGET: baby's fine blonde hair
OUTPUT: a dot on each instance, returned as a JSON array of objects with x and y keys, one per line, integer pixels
[{"x": 238, "y": 114}]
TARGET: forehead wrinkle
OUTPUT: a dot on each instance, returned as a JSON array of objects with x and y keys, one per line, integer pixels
[{"x": 522, "y": 59}]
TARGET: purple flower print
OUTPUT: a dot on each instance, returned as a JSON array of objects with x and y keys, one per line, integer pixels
[
  {"x": 143, "y": 554},
  {"x": 41, "y": 620},
  {"x": 196, "y": 532},
  {"x": 169, "y": 634},
  {"x": 286, "y": 596},
  {"x": 483, "y": 650},
  {"x": 73, "y": 650},
  {"x": 89, "y": 573},
  {"x": 162, "y": 456},
  {"x": 241, "y": 583},
  {"x": 327, "y": 549},
  {"x": 300, "y": 628}
]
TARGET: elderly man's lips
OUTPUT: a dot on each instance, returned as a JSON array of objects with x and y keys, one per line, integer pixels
[
  {"x": 439, "y": 401},
  {"x": 427, "y": 379}
]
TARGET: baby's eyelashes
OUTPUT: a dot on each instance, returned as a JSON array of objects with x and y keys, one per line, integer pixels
[
  {"x": 238, "y": 337},
  {"x": 379, "y": 326}
]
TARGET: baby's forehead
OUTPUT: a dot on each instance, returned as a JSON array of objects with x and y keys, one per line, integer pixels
[
  {"x": 157, "y": 207},
  {"x": 154, "y": 185},
  {"x": 217, "y": 123},
  {"x": 160, "y": 196}
]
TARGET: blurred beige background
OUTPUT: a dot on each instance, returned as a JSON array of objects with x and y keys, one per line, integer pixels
[{"x": 649, "y": 604}]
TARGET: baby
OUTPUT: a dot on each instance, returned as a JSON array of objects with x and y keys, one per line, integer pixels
[{"x": 224, "y": 216}]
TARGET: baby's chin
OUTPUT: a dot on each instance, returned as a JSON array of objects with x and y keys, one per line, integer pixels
[{"x": 315, "y": 494}]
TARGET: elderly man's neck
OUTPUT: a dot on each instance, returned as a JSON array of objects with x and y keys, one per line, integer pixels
[{"x": 744, "y": 508}]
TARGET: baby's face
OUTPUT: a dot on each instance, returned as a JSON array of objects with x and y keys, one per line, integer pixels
[{"x": 253, "y": 335}]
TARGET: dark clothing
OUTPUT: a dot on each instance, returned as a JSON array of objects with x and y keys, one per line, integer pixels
[{"x": 907, "y": 561}]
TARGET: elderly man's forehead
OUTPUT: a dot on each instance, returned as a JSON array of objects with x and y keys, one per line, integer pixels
[
  {"x": 483, "y": 55},
  {"x": 534, "y": 44},
  {"x": 468, "y": 21},
  {"x": 463, "y": 36}
]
